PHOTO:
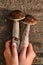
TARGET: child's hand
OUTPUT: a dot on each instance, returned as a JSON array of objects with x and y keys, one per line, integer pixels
[{"x": 26, "y": 56}]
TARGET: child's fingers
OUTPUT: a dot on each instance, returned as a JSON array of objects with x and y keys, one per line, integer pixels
[
  {"x": 30, "y": 51},
  {"x": 14, "y": 49},
  {"x": 7, "y": 51},
  {"x": 7, "y": 47},
  {"x": 23, "y": 51}
]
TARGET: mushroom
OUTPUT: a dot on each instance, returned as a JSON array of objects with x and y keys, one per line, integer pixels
[
  {"x": 16, "y": 16},
  {"x": 29, "y": 20}
]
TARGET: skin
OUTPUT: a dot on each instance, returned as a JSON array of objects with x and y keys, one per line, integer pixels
[{"x": 26, "y": 56}]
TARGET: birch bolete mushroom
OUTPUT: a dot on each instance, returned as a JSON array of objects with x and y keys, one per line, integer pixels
[
  {"x": 29, "y": 20},
  {"x": 16, "y": 16}
]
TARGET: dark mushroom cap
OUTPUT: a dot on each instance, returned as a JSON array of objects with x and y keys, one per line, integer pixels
[
  {"x": 29, "y": 19},
  {"x": 16, "y": 15}
]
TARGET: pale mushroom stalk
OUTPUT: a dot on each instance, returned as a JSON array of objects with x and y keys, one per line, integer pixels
[
  {"x": 25, "y": 37},
  {"x": 16, "y": 32}
]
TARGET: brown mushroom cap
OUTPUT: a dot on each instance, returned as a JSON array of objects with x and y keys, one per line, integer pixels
[
  {"x": 16, "y": 15},
  {"x": 29, "y": 19}
]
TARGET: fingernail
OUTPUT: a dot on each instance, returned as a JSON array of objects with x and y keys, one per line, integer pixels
[
  {"x": 24, "y": 45},
  {"x": 30, "y": 44},
  {"x": 13, "y": 44}
]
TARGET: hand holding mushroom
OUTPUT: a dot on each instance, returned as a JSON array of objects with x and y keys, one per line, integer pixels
[{"x": 27, "y": 53}]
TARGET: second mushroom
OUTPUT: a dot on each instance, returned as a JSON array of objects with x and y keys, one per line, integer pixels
[{"x": 28, "y": 21}]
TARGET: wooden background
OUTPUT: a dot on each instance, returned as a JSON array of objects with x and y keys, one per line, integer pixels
[{"x": 33, "y": 7}]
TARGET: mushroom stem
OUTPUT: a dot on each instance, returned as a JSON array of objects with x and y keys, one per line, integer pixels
[
  {"x": 16, "y": 29},
  {"x": 16, "y": 33},
  {"x": 25, "y": 37}
]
